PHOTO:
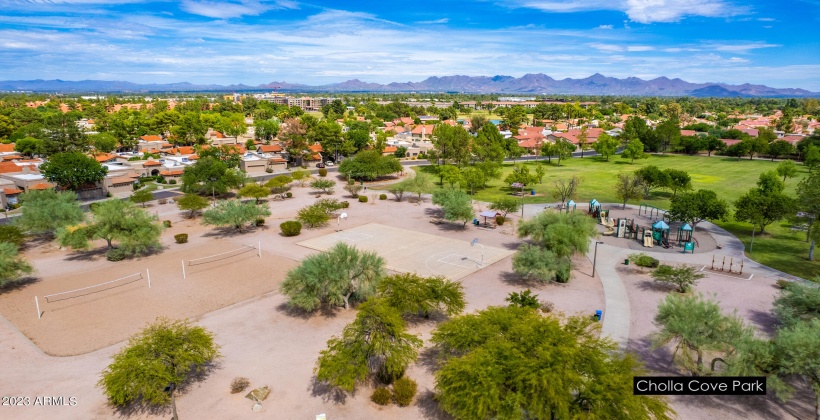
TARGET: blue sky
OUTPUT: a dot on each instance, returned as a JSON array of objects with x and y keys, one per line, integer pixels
[{"x": 318, "y": 42}]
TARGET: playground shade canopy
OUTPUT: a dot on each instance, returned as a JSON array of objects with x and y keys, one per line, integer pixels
[
  {"x": 686, "y": 227},
  {"x": 488, "y": 213},
  {"x": 660, "y": 224}
]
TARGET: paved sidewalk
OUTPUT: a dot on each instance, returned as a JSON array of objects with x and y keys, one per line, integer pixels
[{"x": 616, "y": 317}]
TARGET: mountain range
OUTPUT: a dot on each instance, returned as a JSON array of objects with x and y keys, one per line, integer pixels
[{"x": 530, "y": 84}]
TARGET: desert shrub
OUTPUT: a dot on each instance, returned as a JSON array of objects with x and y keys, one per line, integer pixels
[
  {"x": 642, "y": 260},
  {"x": 239, "y": 384},
  {"x": 362, "y": 199},
  {"x": 181, "y": 238},
  {"x": 269, "y": 170},
  {"x": 313, "y": 216},
  {"x": 524, "y": 299},
  {"x": 783, "y": 283},
  {"x": 289, "y": 194},
  {"x": 499, "y": 220},
  {"x": 404, "y": 389},
  {"x": 381, "y": 396},
  {"x": 163, "y": 200},
  {"x": 173, "y": 182},
  {"x": 322, "y": 172},
  {"x": 260, "y": 222},
  {"x": 166, "y": 223},
  {"x": 382, "y": 196},
  {"x": 137, "y": 186},
  {"x": 345, "y": 204},
  {"x": 291, "y": 228},
  {"x": 115, "y": 254},
  {"x": 13, "y": 234},
  {"x": 547, "y": 306}
]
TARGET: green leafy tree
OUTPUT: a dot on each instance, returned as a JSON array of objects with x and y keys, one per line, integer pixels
[
  {"x": 12, "y": 234},
  {"x": 506, "y": 205},
  {"x": 797, "y": 303},
  {"x": 135, "y": 229},
  {"x": 456, "y": 204},
  {"x": 606, "y": 145},
  {"x": 780, "y": 148},
  {"x": 142, "y": 196},
  {"x": 449, "y": 174},
  {"x": 812, "y": 157},
  {"x": 313, "y": 216},
  {"x": 166, "y": 352},
  {"x": 12, "y": 265},
  {"x": 488, "y": 144},
  {"x": 539, "y": 173},
  {"x": 509, "y": 362},
  {"x": 738, "y": 150},
  {"x": 787, "y": 169},
  {"x": 473, "y": 178},
  {"x": 756, "y": 146},
  {"x": 266, "y": 130},
  {"x": 628, "y": 187},
  {"x": 410, "y": 293},
  {"x": 301, "y": 176},
  {"x": 376, "y": 344},
  {"x": 677, "y": 180},
  {"x": 72, "y": 170},
  {"x": 695, "y": 207},
  {"x": 712, "y": 144},
  {"x": 697, "y": 328},
  {"x": 189, "y": 129},
  {"x": 765, "y": 204},
  {"x": 234, "y": 213},
  {"x": 523, "y": 299},
  {"x": 29, "y": 146},
  {"x": 634, "y": 150},
  {"x": 521, "y": 175},
  {"x": 210, "y": 176},
  {"x": 651, "y": 178},
  {"x": 562, "y": 149},
  {"x": 370, "y": 165},
  {"x": 452, "y": 144},
  {"x": 336, "y": 277},
  {"x": 562, "y": 233},
  {"x": 808, "y": 201},
  {"x": 192, "y": 202},
  {"x": 420, "y": 184},
  {"x": 104, "y": 142},
  {"x": 542, "y": 265},
  {"x": 682, "y": 276},
  {"x": 46, "y": 211},
  {"x": 255, "y": 191},
  {"x": 61, "y": 135},
  {"x": 798, "y": 353},
  {"x": 323, "y": 185},
  {"x": 668, "y": 132},
  {"x": 354, "y": 189}
]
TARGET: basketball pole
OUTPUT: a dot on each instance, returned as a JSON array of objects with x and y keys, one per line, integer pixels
[
  {"x": 259, "y": 249},
  {"x": 149, "y": 277},
  {"x": 37, "y": 303},
  {"x": 183, "y": 269}
]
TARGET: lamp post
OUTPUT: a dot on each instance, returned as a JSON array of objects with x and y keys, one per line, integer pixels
[{"x": 595, "y": 257}]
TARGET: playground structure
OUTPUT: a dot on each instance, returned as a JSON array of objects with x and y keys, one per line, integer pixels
[{"x": 658, "y": 232}]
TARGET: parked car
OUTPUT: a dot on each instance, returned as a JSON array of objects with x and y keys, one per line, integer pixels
[
  {"x": 329, "y": 163},
  {"x": 320, "y": 165}
]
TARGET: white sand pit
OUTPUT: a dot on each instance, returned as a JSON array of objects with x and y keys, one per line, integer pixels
[{"x": 409, "y": 251}]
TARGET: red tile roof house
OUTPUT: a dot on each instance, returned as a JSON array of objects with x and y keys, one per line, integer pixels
[
  {"x": 531, "y": 138},
  {"x": 792, "y": 139},
  {"x": 572, "y": 136}
]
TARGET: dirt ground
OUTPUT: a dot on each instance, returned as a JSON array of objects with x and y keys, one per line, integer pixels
[{"x": 263, "y": 340}]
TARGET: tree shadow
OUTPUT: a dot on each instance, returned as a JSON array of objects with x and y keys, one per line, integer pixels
[
  {"x": 513, "y": 246},
  {"x": 141, "y": 409},
  {"x": 655, "y": 286},
  {"x": 325, "y": 311},
  {"x": 326, "y": 392},
  {"x": 429, "y": 358},
  {"x": 765, "y": 320},
  {"x": 87, "y": 255},
  {"x": 513, "y": 279},
  {"x": 427, "y": 404},
  {"x": 658, "y": 360},
  {"x": 18, "y": 284},
  {"x": 223, "y": 232}
]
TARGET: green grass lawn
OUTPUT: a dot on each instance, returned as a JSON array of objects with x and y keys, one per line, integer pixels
[{"x": 779, "y": 247}]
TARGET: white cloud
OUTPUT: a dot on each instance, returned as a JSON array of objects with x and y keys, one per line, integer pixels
[
  {"x": 642, "y": 11},
  {"x": 639, "y": 48},
  {"x": 434, "y": 22},
  {"x": 740, "y": 47},
  {"x": 766, "y": 19},
  {"x": 604, "y": 27},
  {"x": 232, "y": 9}
]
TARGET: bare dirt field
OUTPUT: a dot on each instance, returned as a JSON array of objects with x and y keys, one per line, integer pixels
[
  {"x": 413, "y": 251},
  {"x": 94, "y": 318}
]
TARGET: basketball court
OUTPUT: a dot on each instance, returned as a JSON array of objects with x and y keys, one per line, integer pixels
[
  {"x": 81, "y": 312},
  {"x": 409, "y": 251}
]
